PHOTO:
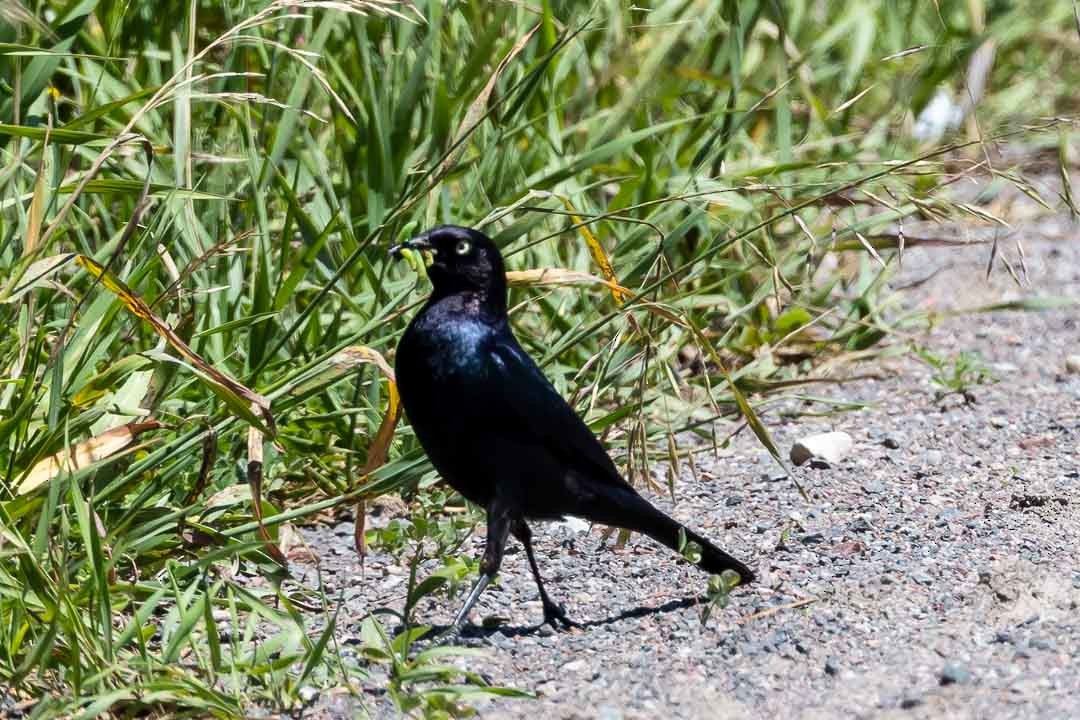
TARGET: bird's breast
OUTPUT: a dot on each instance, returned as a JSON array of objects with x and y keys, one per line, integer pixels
[
  {"x": 451, "y": 350},
  {"x": 442, "y": 356}
]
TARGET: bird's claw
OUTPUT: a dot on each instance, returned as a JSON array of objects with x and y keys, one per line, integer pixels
[
  {"x": 447, "y": 636},
  {"x": 556, "y": 617},
  {"x": 456, "y": 635}
]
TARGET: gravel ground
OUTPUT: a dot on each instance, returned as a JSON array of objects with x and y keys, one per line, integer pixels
[{"x": 934, "y": 573}]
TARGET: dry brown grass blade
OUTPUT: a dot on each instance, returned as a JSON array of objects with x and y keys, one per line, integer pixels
[
  {"x": 806, "y": 231},
  {"x": 562, "y": 276},
  {"x": 254, "y": 478},
  {"x": 870, "y": 248},
  {"x": 247, "y": 403},
  {"x": 599, "y": 256},
  {"x": 103, "y": 535},
  {"x": 773, "y": 610},
  {"x": 84, "y": 454},
  {"x": 848, "y": 103},
  {"x": 663, "y": 312},
  {"x": 346, "y": 361},
  {"x": 37, "y": 203}
]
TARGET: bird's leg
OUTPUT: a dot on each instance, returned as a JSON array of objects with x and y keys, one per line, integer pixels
[
  {"x": 474, "y": 595},
  {"x": 498, "y": 529},
  {"x": 553, "y": 614}
]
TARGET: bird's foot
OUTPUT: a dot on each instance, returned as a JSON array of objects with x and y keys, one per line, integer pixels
[
  {"x": 447, "y": 636},
  {"x": 556, "y": 617},
  {"x": 457, "y": 635}
]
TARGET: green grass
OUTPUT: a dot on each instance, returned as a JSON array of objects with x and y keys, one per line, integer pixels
[{"x": 229, "y": 176}]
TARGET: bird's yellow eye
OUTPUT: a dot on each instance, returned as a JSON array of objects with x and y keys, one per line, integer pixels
[{"x": 463, "y": 247}]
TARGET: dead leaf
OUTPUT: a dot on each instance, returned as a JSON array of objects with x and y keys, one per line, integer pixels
[
  {"x": 254, "y": 477},
  {"x": 561, "y": 276},
  {"x": 599, "y": 256},
  {"x": 84, "y": 454},
  {"x": 293, "y": 545}
]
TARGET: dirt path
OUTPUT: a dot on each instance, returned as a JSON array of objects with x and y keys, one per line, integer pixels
[{"x": 939, "y": 578}]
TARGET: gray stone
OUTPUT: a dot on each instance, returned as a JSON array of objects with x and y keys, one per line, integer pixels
[{"x": 954, "y": 674}]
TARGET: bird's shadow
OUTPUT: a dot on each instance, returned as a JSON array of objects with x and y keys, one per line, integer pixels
[{"x": 471, "y": 631}]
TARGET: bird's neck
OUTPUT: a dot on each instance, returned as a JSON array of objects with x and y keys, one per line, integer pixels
[{"x": 488, "y": 301}]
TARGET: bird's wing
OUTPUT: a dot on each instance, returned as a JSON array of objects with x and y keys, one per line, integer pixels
[{"x": 527, "y": 403}]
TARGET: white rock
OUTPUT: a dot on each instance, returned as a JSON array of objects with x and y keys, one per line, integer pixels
[
  {"x": 831, "y": 447},
  {"x": 1072, "y": 364},
  {"x": 574, "y": 525}
]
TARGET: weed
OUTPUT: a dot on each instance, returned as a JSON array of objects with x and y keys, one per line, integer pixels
[{"x": 958, "y": 375}]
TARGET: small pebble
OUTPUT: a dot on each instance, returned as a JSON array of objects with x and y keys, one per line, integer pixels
[
  {"x": 831, "y": 668},
  {"x": 953, "y": 674},
  {"x": 1072, "y": 364},
  {"x": 829, "y": 447},
  {"x": 922, "y": 578}
]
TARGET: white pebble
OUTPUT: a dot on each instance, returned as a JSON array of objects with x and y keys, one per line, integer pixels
[{"x": 831, "y": 447}]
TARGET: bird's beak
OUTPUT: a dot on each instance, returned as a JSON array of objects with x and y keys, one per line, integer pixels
[{"x": 419, "y": 243}]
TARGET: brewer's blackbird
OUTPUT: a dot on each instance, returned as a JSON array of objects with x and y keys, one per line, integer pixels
[{"x": 497, "y": 430}]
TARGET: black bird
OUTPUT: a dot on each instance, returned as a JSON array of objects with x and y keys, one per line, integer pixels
[{"x": 497, "y": 430}]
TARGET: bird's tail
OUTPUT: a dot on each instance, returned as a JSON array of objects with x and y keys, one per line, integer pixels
[{"x": 626, "y": 509}]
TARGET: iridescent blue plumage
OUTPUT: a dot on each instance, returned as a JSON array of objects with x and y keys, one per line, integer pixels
[{"x": 494, "y": 426}]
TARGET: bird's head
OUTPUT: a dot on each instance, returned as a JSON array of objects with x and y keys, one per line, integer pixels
[{"x": 462, "y": 259}]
